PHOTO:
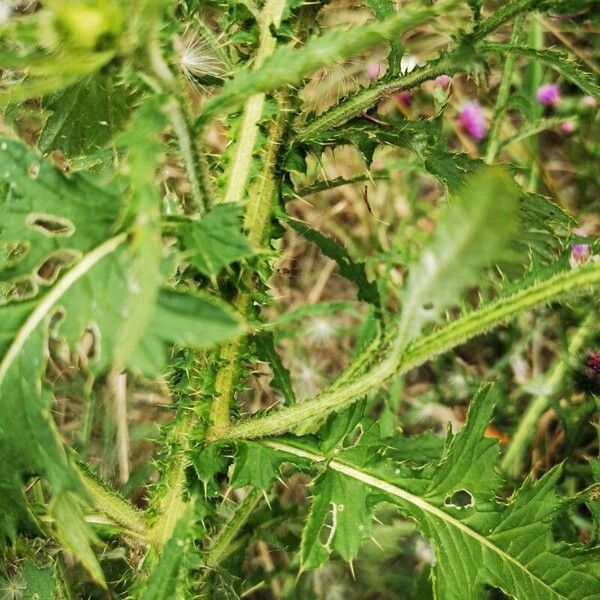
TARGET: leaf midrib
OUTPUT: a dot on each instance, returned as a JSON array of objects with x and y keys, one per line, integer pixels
[
  {"x": 412, "y": 499},
  {"x": 87, "y": 262}
]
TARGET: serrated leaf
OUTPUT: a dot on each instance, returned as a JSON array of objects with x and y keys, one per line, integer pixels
[
  {"x": 477, "y": 540},
  {"x": 418, "y": 136},
  {"x": 349, "y": 269},
  {"x": 282, "y": 381},
  {"x": 340, "y": 517},
  {"x": 472, "y": 234},
  {"x": 560, "y": 62},
  {"x": 257, "y": 465},
  {"x": 216, "y": 240},
  {"x": 289, "y": 66},
  {"x": 84, "y": 116}
]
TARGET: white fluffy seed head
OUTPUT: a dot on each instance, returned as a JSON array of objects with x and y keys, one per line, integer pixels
[{"x": 196, "y": 58}]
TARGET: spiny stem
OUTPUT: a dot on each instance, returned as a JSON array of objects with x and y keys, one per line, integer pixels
[
  {"x": 257, "y": 220},
  {"x": 109, "y": 502},
  {"x": 173, "y": 504},
  {"x": 243, "y": 155},
  {"x": 422, "y": 350},
  {"x": 363, "y": 100},
  {"x": 447, "y": 64},
  {"x": 512, "y": 459},
  {"x": 503, "y": 95},
  {"x": 221, "y": 544}
]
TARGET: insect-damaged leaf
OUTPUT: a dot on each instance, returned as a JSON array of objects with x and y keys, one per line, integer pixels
[
  {"x": 69, "y": 271},
  {"x": 477, "y": 540}
]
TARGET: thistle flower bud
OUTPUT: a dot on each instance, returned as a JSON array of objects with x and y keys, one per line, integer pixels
[
  {"x": 405, "y": 97},
  {"x": 548, "y": 94},
  {"x": 443, "y": 81},
  {"x": 567, "y": 127},
  {"x": 373, "y": 71},
  {"x": 589, "y": 101},
  {"x": 579, "y": 254},
  {"x": 473, "y": 121}
]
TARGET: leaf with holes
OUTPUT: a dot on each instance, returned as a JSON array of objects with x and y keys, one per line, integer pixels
[
  {"x": 96, "y": 294},
  {"x": 477, "y": 540}
]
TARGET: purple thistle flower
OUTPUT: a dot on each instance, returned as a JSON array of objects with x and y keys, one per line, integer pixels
[
  {"x": 473, "y": 121},
  {"x": 579, "y": 254},
  {"x": 443, "y": 81},
  {"x": 548, "y": 94}
]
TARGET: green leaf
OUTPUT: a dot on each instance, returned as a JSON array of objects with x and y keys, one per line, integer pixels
[
  {"x": 74, "y": 534},
  {"x": 477, "y": 539},
  {"x": 193, "y": 320},
  {"x": 256, "y": 465},
  {"x": 166, "y": 575},
  {"x": 418, "y": 136},
  {"x": 264, "y": 343},
  {"x": 340, "y": 517},
  {"x": 383, "y": 9},
  {"x": 40, "y": 581},
  {"x": 76, "y": 275},
  {"x": 84, "y": 116},
  {"x": 560, "y": 62},
  {"x": 216, "y": 240},
  {"x": 350, "y": 270},
  {"x": 472, "y": 234}
]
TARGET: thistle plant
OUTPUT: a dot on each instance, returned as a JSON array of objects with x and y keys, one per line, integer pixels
[{"x": 158, "y": 160}]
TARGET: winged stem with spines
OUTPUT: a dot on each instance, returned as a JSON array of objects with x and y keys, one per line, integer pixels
[{"x": 85, "y": 256}]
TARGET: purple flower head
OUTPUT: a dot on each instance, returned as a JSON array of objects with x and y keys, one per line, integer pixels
[
  {"x": 548, "y": 94},
  {"x": 373, "y": 71},
  {"x": 567, "y": 127},
  {"x": 405, "y": 97},
  {"x": 579, "y": 254},
  {"x": 443, "y": 81},
  {"x": 473, "y": 121},
  {"x": 589, "y": 101}
]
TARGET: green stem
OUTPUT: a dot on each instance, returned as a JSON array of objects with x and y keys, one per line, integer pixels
[
  {"x": 194, "y": 161},
  {"x": 424, "y": 349},
  {"x": 363, "y": 100},
  {"x": 171, "y": 506},
  {"x": 503, "y": 95},
  {"x": 220, "y": 546},
  {"x": 513, "y": 458},
  {"x": 243, "y": 156},
  {"x": 109, "y": 502},
  {"x": 446, "y": 64},
  {"x": 257, "y": 220}
]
